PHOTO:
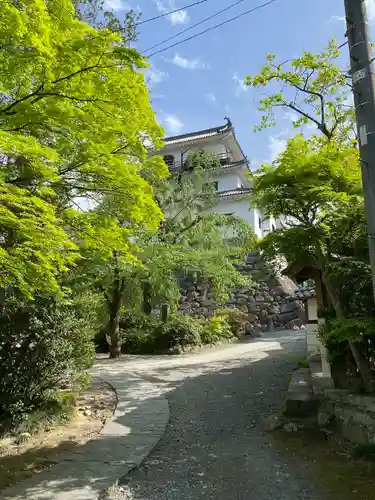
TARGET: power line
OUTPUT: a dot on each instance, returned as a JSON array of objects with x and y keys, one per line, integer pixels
[
  {"x": 261, "y": 6},
  {"x": 195, "y": 25},
  {"x": 169, "y": 13}
]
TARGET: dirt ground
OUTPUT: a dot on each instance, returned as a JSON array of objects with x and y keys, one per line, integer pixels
[
  {"x": 332, "y": 464},
  {"x": 46, "y": 448}
]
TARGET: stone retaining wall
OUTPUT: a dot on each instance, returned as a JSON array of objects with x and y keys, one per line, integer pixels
[
  {"x": 269, "y": 303},
  {"x": 352, "y": 414}
]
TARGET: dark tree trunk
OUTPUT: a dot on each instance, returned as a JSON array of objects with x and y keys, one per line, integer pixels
[
  {"x": 114, "y": 333},
  {"x": 356, "y": 348},
  {"x": 147, "y": 297},
  {"x": 114, "y": 306}
]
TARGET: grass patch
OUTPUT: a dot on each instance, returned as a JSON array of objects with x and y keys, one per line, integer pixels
[
  {"x": 302, "y": 363},
  {"x": 56, "y": 410},
  {"x": 330, "y": 464},
  {"x": 50, "y": 434}
]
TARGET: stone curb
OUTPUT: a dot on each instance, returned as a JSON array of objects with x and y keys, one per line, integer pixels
[{"x": 138, "y": 424}]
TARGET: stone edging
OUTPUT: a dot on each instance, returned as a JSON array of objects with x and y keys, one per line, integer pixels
[{"x": 137, "y": 425}]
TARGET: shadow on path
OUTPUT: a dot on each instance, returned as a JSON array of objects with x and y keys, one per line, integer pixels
[{"x": 214, "y": 446}]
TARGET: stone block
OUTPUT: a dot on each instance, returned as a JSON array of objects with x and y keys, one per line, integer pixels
[
  {"x": 241, "y": 300},
  {"x": 252, "y": 317},
  {"x": 300, "y": 401},
  {"x": 263, "y": 305},
  {"x": 286, "y": 317},
  {"x": 249, "y": 329},
  {"x": 288, "y": 307},
  {"x": 263, "y": 317},
  {"x": 184, "y": 307},
  {"x": 241, "y": 296},
  {"x": 267, "y": 297},
  {"x": 274, "y": 310}
]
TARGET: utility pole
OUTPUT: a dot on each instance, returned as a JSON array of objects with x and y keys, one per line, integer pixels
[{"x": 362, "y": 71}]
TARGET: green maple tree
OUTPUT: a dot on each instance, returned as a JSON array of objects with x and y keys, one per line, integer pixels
[
  {"x": 75, "y": 120},
  {"x": 189, "y": 240},
  {"x": 315, "y": 185},
  {"x": 314, "y": 87}
]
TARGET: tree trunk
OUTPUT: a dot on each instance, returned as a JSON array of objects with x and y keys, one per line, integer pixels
[
  {"x": 114, "y": 306},
  {"x": 356, "y": 348},
  {"x": 114, "y": 329},
  {"x": 147, "y": 297}
]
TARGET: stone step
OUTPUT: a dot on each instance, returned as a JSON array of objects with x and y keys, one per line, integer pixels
[{"x": 300, "y": 400}]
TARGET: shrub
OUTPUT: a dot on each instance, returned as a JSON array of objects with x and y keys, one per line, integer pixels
[
  {"x": 134, "y": 327},
  {"x": 41, "y": 342},
  {"x": 137, "y": 342},
  {"x": 236, "y": 319},
  {"x": 131, "y": 321},
  {"x": 215, "y": 329},
  {"x": 177, "y": 334},
  {"x": 335, "y": 335},
  {"x": 143, "y": 334}
]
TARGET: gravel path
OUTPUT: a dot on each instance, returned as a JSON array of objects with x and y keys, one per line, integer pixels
[{"x": 214, "y": 446}]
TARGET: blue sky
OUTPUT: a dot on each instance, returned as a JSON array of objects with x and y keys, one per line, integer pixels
[{"x": 195, "y": 85}]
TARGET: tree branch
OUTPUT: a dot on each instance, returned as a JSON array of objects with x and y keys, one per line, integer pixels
[
  {"x": 190, "y": 226},
  {"x": 106, "y": 296},
  {"x": 22, "y": 99},
  {"x": 88, "y": 68},
  {"x": 64, "y": 96}
]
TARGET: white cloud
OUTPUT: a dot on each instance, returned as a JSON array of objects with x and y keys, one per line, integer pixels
[
  {"x": 239, "y": 83},
  {"x": 179, "y": 17},
  {"x": 172, "y": 124},
  {"x": 291, "y": 116},
  {"x": 154, "y": 76},
  {"x": 371, "y": 9},
  {"x": 116, "y": 5},
  {"x": 338, "y": 18},
  {"x": 370, "y": 4},
  {"x": 185, "y": 63},
  {"x": 211, "y": 96},
  {"x": 276, "y": 145}
]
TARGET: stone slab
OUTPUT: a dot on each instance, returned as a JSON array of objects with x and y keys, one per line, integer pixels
[{"x": 300, "y": 401}]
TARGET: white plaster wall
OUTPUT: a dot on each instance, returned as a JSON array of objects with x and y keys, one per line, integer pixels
[
  {"x": 269, "y": 225},
  {"x": 240, "y": 208},
  {"x": 257, "y": 224},
  {"x": 231, "y": 180}
]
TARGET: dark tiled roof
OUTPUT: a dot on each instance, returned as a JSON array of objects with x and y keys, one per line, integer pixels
[
  {"x": 202, "y": 134},
  {"x": 233, "y": 192}
]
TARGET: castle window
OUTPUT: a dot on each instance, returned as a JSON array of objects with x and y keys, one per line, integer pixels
[{"x": 169, "y": 161}]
